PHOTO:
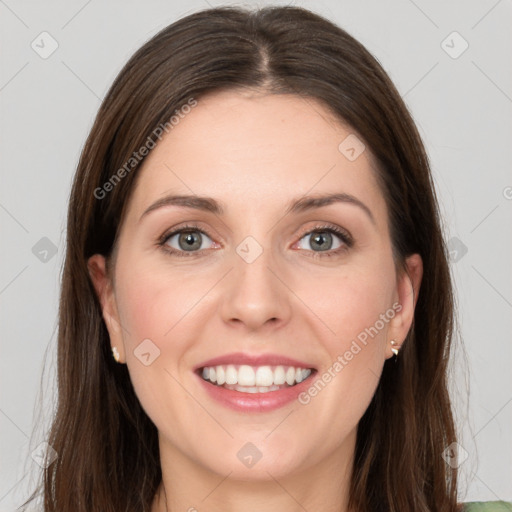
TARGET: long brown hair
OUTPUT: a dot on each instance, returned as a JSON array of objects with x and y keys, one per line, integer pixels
[{"x": 108, "y": 455}]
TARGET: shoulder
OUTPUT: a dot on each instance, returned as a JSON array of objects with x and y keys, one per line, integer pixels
[{"x": 487, "y": 506}]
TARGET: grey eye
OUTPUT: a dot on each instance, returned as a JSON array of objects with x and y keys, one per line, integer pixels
[
  {"x": 321, "y": 241},
  {"x": 188, "y": 240}
]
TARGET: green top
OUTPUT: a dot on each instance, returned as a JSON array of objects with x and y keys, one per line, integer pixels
[{"x": 488, "y": 506}]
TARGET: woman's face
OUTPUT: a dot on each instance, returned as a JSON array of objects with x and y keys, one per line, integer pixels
[{"x": 262, "y": 275}]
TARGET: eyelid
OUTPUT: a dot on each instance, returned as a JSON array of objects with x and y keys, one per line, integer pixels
[
  {"x": 338, "y": 231},
  {"x": 176, "y": 230},
  {"x": 184, "y": 226}
]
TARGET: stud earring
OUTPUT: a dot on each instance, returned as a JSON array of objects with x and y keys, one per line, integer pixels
[
  {"x": 115, "y": 353},
  {"x": 394, "y": 348}
]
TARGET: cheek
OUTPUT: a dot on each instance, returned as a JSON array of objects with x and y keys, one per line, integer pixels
[
  {"x": 152, "y": 304},
  {"x": 349, "y": 301},
  {"x": 153, "y": 312},
  {"x": 352, "y": 303}
]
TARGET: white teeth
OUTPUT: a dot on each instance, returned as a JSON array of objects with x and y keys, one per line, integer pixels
[
  {"x": 253, "y": 389},
  {"x": 246, "y": 376},
  {"x": 299, "y": 376},
  {"x": 290, "y": 376},
  {"x": 279, "y": 376},
  {"x": 221, "y": 375},
  {"x": 231, "y": 375},
  {"x": 264, "y": 376},
  {"x": 251, "y": 379}
]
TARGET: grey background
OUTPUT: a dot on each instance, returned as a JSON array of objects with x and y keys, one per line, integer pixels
[{"x": 463, "y": 109}]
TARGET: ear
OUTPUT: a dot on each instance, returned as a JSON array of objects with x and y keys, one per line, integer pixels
[
  {"x": 407, "y": 290},
  {"x": 105, "y": 290}
]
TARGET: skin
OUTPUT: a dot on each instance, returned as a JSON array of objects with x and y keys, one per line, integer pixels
[{"x": 254, "y": 153}]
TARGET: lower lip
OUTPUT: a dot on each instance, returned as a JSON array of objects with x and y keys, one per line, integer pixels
[{"x": 256, "y": 402}]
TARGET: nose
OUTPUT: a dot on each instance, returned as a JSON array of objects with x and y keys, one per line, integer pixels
[{"x": 255, "y": 294}]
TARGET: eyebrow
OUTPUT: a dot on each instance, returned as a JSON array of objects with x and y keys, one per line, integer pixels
[{"x": 299, "y": 205}]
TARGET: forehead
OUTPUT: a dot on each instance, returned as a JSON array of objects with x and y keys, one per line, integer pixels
[{"x": 256, "y": 151}]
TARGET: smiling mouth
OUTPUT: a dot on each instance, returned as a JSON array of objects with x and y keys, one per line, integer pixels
[{"x": 255, "y": 379}]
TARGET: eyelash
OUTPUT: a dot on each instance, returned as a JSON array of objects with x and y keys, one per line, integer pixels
[{"x": 330, "y": 228}]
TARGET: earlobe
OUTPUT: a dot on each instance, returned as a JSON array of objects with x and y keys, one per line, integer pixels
[
  {"x": 104, "y": 290},
  {"x": 408, "y": 286}
]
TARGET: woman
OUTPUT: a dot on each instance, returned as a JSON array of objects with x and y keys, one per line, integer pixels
[{"x": 256, "y": 308}]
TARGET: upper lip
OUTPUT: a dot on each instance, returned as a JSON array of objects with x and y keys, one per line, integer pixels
[{"x": 254, "y": 360}]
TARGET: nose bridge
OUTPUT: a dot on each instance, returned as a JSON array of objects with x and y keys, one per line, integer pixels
[{"x": 255, "y": 295}]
